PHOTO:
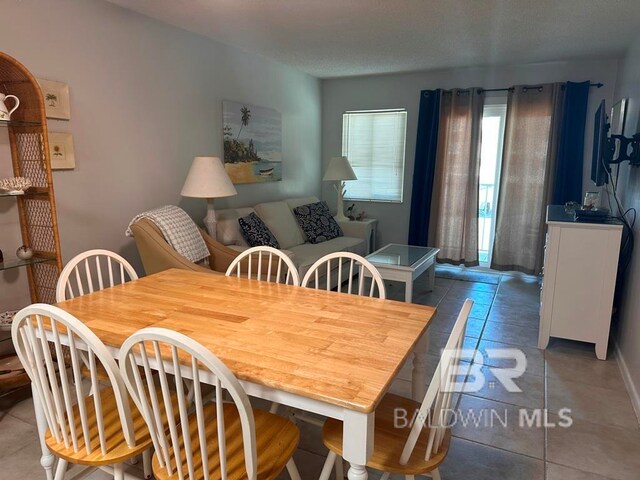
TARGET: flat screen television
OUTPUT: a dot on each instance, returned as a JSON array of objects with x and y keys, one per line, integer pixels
[{"x": 599, "y": 159}]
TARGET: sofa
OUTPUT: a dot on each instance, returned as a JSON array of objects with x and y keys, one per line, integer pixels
[
  {"x": 157, "y": 255},
  {"x": 280, "y": 219}
]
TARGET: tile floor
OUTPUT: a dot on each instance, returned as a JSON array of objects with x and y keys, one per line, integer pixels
[{"x": 602, "y": 443}]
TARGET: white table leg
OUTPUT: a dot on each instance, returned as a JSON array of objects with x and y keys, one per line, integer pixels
[
  {"x": 419, "y": 374},
  {"x": 408, "y": 288},
  {"x": 357, "y": 442},
  {"x": 47, "y": 460},
  {"x": 431, "y": 279},
  {"x": 357, "y": 472}
]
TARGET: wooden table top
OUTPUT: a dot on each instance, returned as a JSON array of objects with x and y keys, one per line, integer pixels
[{"x": 338, "y": 348}]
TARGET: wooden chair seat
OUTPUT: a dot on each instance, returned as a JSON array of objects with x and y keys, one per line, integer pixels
[
  {"x": 276, "y": 440},
  {"x": 117, "y": 449},
  {"x": 389, "y": 441},
  {"x": 101, "y": 373}
]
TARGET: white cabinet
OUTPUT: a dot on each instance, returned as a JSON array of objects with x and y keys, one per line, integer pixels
[{"x": 580, "y": 266}]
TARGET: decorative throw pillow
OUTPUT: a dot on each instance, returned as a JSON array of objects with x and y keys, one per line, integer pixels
[
  {"x": 317, "y": 223},
  {"x": 256, "y": 233}
]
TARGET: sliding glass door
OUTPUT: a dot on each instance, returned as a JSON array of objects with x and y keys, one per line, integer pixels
[{"x": 493, "y": 122}]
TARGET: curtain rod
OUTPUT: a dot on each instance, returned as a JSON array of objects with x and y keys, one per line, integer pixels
[{"x": 510, "y": 89}]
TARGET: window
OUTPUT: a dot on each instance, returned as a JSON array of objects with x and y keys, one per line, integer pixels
[{"x": 373, "y": 141}]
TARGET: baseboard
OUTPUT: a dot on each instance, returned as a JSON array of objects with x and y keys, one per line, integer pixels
[{"x": 631, "y": 387}]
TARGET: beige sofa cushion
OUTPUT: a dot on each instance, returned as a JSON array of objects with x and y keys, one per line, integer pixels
[
  {"x": 228, "y": 229},
  {"x": 280, "y": 220},
  {"x": 307, "y": 253}
]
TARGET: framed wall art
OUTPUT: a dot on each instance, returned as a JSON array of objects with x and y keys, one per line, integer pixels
[
  {"x": 56, "y": 99},
  {"x": 61, "y": 151},
  {"x": 252, "y": 143}
]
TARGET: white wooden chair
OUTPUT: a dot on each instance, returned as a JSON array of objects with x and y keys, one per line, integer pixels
[
  {"x": 195, "y": 438},
  {"x": 268, "y": 264},
  {"x": 98, "y": 429},
  {"x": 91, "y": 269},
  {"x": 343, "y": 262},
  {"x": 416, "y": 449}
]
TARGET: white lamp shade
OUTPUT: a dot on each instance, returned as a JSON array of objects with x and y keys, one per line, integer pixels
[
  {"x": 339, "y": 169},
  {"x": 207, "y": 178}
]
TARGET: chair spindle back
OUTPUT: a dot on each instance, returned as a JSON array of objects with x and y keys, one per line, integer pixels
[
  {"x": 436, "y": 406},
  {"x": 91, "y": 271},
  {"x": 351, "y": 264},
  {"x": 38, "y": 333},
  {"x": 166, "y": 407},
  {"x": 271, "y": 265}
]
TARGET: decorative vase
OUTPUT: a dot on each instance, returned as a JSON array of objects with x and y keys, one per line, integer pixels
[
  {"x": 24, "y": 253},
  {"x": 5, "y": 113}
]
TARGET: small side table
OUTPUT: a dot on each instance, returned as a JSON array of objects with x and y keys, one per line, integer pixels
[{"x": 362, "y": 229}]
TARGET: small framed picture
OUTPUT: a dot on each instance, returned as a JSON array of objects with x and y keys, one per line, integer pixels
[
  {"x": 61, "y": 151},
  {"x": 56, "y": 99},
  {"x": 591, "y": 200}
]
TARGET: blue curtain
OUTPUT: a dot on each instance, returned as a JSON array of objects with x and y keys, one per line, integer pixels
[
  {"x": 568, "y": 174},
  {"x": 424, "y": 166}
]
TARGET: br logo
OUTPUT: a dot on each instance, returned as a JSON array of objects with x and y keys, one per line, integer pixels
[{"x": 472, "y": 362}]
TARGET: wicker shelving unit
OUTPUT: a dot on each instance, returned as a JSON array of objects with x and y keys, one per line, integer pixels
[{"x": 29, "y": 144}]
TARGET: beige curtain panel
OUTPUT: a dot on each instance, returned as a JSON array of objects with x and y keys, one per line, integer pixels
[
  {"x": 454, "y": 207},
  {"x": 530, "y": 144}
]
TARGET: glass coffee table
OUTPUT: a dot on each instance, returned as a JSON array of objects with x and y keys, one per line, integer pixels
[{"x": 405, "y": 263}]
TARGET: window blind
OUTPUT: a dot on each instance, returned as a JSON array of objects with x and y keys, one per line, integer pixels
[{"x": 374, "y": 143}]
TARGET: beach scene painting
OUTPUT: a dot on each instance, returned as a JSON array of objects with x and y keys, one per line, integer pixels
[{"x": 252, "y": 143}]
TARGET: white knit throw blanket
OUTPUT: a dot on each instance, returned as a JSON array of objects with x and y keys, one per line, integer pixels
[{"x": 178, "y": 230}]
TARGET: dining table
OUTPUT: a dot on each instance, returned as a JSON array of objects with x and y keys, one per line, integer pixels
[{"x": 324, "y": 352}]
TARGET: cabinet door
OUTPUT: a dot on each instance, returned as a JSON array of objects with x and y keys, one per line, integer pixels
[{"x": 585, "y": 278}]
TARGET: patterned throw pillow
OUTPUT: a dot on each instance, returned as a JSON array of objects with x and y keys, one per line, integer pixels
[
  {"x": 256, "y": 233},
  {"x": 317, "y": 223}
]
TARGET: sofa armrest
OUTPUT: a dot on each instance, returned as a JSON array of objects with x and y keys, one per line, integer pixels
[{"x": 365, "y": 229}]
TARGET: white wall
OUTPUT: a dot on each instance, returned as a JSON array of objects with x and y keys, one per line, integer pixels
[
  {"x": 403, "y": 91},
  {"x": 629, "y": 324},
  {"x": 145, "y": 99}
]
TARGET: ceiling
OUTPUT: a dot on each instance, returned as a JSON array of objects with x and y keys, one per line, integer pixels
[{"x": 337, "y": 38}]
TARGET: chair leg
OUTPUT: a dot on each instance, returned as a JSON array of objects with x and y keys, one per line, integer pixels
[
  {"x": 61, "y": 469},
  {"x": 146, "y": 463},
  {"x": 339, "y": 468},
  {"x": 118, "y": 471},
  {"x": 274, "y": 408},
  {"x": 329, "y": 463},
  {"x": 435, "y": 474},
  {"x": 385, "y": 476},
  {"x": 409, "y": 477},
  {"x": 293, "y": 470}
]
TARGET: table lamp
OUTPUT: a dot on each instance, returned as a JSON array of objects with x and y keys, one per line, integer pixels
[
  {"x": 208, "y": 179},
  {"x": 339, "y": 170}
]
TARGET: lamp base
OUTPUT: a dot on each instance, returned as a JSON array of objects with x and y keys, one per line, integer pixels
[
  {"x": 340, "y": 216},
  {"x": 210, "y": 220}
]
